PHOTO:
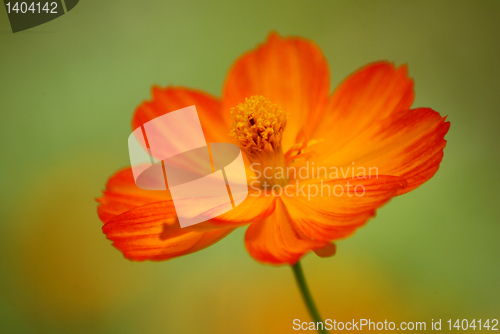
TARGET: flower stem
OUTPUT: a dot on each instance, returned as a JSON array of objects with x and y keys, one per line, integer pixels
[{"x": 311, "y": 307}]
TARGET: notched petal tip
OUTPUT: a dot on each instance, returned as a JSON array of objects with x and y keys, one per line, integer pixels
[{"x": 328, "y": 250}]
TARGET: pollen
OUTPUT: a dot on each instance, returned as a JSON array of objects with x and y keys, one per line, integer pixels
[{"x": 258, "y": 125}]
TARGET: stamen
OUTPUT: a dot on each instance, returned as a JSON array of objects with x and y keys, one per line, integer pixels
[{"x": 258, "y": 125}]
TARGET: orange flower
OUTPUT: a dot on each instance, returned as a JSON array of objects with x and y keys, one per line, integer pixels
[{"x": 276, "y": 105}]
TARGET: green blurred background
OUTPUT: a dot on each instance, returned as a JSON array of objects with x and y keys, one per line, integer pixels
[{"x": 69, "y": 87}]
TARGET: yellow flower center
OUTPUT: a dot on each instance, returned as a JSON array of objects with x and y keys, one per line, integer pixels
[
  {"x": 258, "y": 125},
  {"x": 257, "y": 128}
]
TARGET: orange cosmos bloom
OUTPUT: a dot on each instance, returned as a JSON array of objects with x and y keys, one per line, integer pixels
[{"x": 276, "y": 105}]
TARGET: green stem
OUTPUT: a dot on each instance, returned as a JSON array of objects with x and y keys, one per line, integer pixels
[{"x": 311, "y": 307}]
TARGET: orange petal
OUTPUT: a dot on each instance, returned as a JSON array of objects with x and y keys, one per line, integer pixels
[
  {"x": 301, "y": 223},
  {"x": 370, "y": 94},
  {"x": 408, "y": 144},
  {"x": 335, "y": 209},
  {"x": 122, "y": 195},
  {"x": 256, "y": 206},
  {"x": 142, "y": 223},
  {"x": 151, "y": 232},
  {"x": 291, "y": 72},
  {"x": 215, "y": 127},
  {"x": 274, "y": 240}
]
